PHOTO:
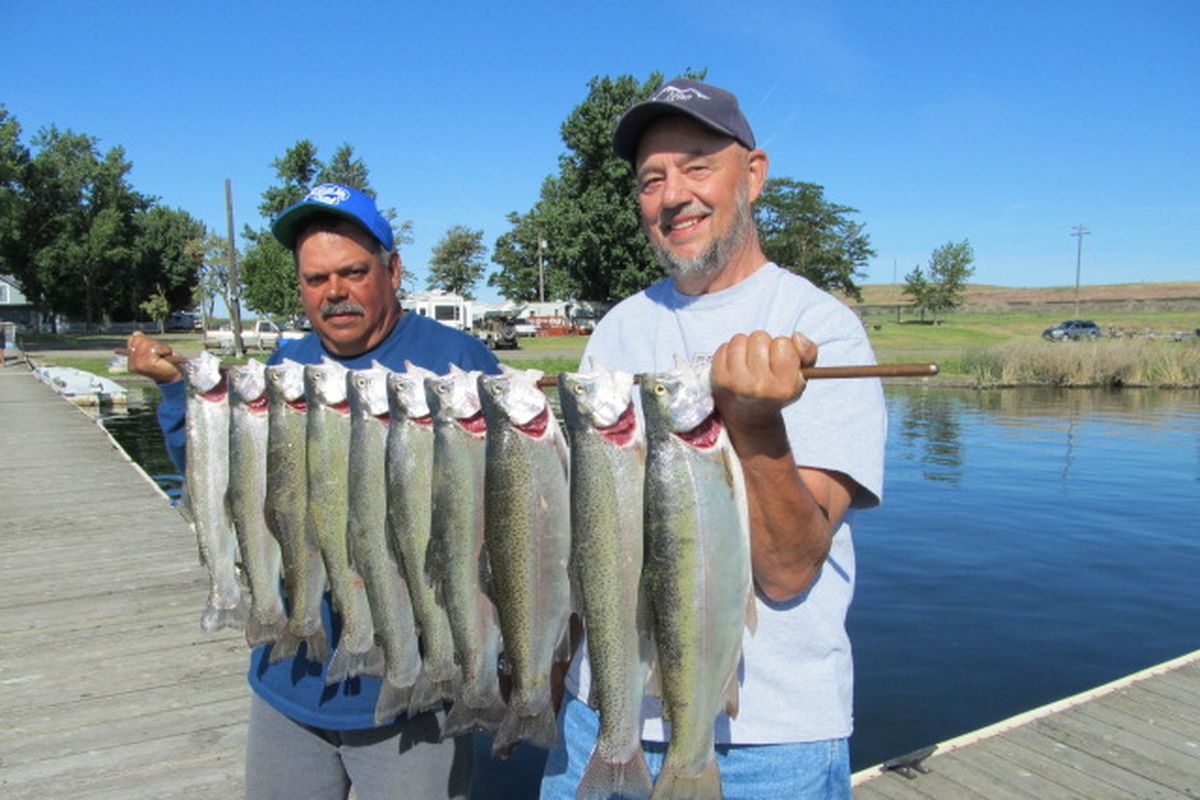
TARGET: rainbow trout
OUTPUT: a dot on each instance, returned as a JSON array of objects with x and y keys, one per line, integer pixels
[
  {"x": 206, "y": 474},
  {"x": 608, "y": 462},
  {"x": 247, "y": 488},
  {"x": 697, "y": 570},
  {"x": 328, "y": 460},
  {"x": 409, "y": 474},
  {"x": 456, "y": 560},
  {"x": 286, "y": 502},
  {"x": 528, "y": 535},
  {"x": 370, "y": 552}
]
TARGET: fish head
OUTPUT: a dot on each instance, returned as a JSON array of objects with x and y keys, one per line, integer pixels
[
  {"x": 366, "y": 390},
  {"x": 248, "y": 384},
  {"x": 285, "y": 383},
  {"x": 454, "y": 397},
  {"x": 204, "y": 375},
  {"x": 600, "y": 399},
  {"x": 514, "y": 398},
  {"x": 325, "y": 383},
  {"x": 677, "y": 400},
  {"x": 406, "y": 393}
]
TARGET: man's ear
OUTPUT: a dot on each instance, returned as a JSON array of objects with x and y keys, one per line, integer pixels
[
  {"x": 396, "y": 268},
  {"x": 757, "y": 163}
]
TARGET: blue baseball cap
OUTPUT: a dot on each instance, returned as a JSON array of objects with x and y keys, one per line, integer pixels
[
  {"x": 336, "y": 199},
  {"x": 710, "y": 105}
]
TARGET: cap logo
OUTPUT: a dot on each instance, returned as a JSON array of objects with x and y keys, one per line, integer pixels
[
  {"x": 329, "y": 194},
  {"x": 673, "y": 94}
]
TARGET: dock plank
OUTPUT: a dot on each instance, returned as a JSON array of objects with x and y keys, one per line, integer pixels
[
  {"x": 108, "y": 687},
  {"x": 1136, "y": 738}
]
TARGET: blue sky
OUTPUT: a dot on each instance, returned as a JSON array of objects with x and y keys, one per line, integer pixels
[{"x": 1005, "y": 123}]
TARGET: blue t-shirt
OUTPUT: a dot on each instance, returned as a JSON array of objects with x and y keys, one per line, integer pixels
[{"x": 296, "y": 686}]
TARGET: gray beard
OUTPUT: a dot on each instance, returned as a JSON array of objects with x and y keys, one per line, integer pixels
[{"x": 716, "y": 255}]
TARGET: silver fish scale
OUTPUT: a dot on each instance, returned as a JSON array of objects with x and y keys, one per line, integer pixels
[
  {"x": 207, "y": 480},
  {"x": 409, "y": 472},
  {"x": 328, "y": 458},
  {"x": 371, "y": 555},
  {"x": 286, "y": 501},
  {"x": 698, "y": 578}
]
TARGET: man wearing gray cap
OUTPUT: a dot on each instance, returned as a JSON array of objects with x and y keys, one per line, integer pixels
[
  {"x": 306, "y": 737},
  {"x": 811, "y": 455}
]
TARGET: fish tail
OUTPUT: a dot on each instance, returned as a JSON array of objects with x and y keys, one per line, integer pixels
[
  {"x": 392, "y": 701},
  {"x": 673, "y": 784},
  {"x": 346, "y": 664},
  {"x": 430, "y": 691},
  {"x": 288, "y": 645},
  {"x": 466, "y": 716},
  {"x": 264, "y": 631},
  {"x": 603, "y": 778},
  {"x": 540, "y": 729},
  {"x": 217, "y": 615}
]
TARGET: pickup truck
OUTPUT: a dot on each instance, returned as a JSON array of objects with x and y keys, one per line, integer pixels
[{"x": 261, "y": 335}]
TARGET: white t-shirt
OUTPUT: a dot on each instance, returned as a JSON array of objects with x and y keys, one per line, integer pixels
[{"x": 797, "y": 674}]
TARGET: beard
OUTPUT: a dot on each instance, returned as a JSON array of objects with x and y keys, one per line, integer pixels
[{"x": 710, "y": 261}]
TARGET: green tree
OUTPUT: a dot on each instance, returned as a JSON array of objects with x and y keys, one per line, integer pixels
[
  {"x": 166, "y": 257},
  {"x": 916, "y": 286},
  {"x": 458, "y": 261},
  {"x": 77, "y": 227},
  {"x": 157, "y": 307},
  {"x": 269, "y": 275},
  {"x": 347, "y": 169},
  {"x": 214, "y": 275},
  {"x": 949, "y": 268},
  {"x": 296, "y": 171},
  {"x": 587, "y": 213},
  {"x": 803, "y": 232},
  {"x": 14, "y": 161}
]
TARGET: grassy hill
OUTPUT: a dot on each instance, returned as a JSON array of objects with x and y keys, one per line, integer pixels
[{"x": 985, "y": 296}]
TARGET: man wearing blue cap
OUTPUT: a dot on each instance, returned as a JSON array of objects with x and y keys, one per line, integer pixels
[
  {"x": 306, "y": 738},
  {"x": 811, "y": 456}
]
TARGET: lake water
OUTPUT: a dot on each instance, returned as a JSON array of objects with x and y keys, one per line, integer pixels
[{"x": 1032, "y": 544}]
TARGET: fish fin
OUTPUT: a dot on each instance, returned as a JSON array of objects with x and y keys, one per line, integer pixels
[
  {"x": 751, "y": 611},
  {"x": 603, "y": 778},
  {"x": 672, "y": 784},
  {"x": 429, "y": 692},
  {"x": 464, "y": 717},
  {"x": 539, "y": 729},
  {"x": 347, "y": 664},
  {"x": 216, "y": 616},
  {"x": 393, "y": 700},
  {"x": 486, "y": 584},
  {"x": 730, "y": 694},
  {"x": 265, "y": 631}
]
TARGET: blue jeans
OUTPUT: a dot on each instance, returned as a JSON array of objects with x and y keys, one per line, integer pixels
[{"x": 800, "y": 771}]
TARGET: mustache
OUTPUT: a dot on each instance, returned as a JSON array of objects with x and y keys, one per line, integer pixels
[{"x": 343, "y": 307}]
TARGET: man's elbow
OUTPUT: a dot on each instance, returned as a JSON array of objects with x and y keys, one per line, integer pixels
[{"x": 783, "y": 586}]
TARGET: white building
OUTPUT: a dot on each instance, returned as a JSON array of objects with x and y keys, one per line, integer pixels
[{"x": 447, "y": 308}]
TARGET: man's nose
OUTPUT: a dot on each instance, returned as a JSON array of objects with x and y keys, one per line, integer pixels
[
  {"x": 335, "y": 287},
  {"x": 675, "y": 191}
]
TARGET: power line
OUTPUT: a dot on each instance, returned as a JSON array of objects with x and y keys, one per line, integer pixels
[{"x": 1079, "y": 232}]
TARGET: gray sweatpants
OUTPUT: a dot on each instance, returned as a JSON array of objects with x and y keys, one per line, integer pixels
[{"x": 289, "y": 761}]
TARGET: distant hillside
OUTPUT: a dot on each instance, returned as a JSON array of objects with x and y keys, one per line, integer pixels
[{"x": 986, "y": 296}]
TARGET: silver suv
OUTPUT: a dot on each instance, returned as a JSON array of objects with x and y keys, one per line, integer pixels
[{"x": 1072, "y": 329}]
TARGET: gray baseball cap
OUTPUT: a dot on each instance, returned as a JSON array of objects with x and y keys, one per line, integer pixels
[{"x": 710, "y": 105}]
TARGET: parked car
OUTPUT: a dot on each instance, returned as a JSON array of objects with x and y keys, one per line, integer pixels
[
  {"x": 182, "y": 321},
  {"x": 261, "y": 335},
  {"x": 497, "y": 331},
  {"x": 524, "y": 327},
  {"x": 1072, "y": 329}
]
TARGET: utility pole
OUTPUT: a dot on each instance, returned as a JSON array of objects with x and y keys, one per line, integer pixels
[
  {"x": 541, "y": 272},
  {"x": 235, "y": 311},
  {"x": 1079, "y": 232}
]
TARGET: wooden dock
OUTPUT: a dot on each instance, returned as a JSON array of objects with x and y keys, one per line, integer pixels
[
  {"x": 108, "y": 687},
  {"x": 1137, "y": 737}
]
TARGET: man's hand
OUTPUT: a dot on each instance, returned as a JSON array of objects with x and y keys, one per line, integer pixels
[
  {"x": 753, "y": 378},
  {"x": 152, "y": 358}
]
